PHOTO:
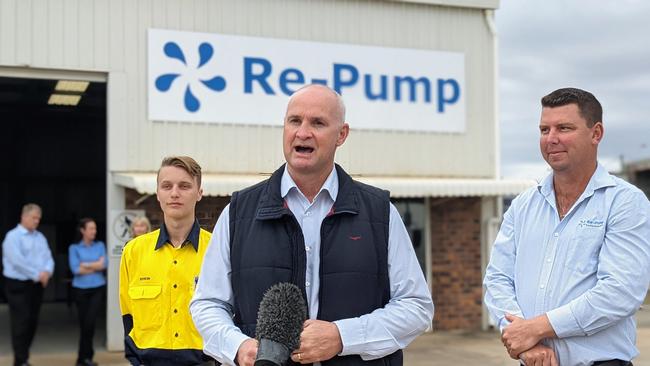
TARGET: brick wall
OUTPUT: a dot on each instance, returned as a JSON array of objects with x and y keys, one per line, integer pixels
[
  {"x": 207, "y": 209},
  {"x": 456, "y": 262}
]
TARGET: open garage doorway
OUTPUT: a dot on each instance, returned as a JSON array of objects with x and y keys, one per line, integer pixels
[{"x": 53, "y": 149}]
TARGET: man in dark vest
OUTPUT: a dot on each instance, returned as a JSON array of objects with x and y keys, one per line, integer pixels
[{"x": 340, "y": 241}]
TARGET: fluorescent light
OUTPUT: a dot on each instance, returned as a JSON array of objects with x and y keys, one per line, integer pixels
[
  {"x": 64, "y": 99},
  {"x": 71, "y": 86}
]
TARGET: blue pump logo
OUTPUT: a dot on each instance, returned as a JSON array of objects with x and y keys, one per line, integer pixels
[{"x": 164, "y": 82}]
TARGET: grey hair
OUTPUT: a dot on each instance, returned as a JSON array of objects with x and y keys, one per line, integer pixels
[{"x": 31, "y": 207}]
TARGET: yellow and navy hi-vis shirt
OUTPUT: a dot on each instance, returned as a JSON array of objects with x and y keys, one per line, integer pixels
[{"x": 157, "y": 282}]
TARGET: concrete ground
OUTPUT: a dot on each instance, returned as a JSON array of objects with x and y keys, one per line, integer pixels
[{"x": 56, "y": 343}]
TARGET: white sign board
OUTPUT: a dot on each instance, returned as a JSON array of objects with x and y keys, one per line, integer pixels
[
  {"x": 205, "y": 77},
  {"x": 120, "y": 229}
]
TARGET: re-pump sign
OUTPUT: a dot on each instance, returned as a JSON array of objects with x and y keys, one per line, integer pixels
[{"x": 206, "y": 77}]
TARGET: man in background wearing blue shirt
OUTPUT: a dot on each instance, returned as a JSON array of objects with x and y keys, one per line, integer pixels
[
  {"x": 27, "y": 268},
  {"x": 571, "y": 263},
  {"x": 341, "y": 242}
]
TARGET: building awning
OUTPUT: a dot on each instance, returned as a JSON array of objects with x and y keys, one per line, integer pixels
[
  {"x": 399, "y": 187},
  {"x": 440, "y": 187},
  {"x": 637, "y": 166},
  {"x": 478, "y": 4}
]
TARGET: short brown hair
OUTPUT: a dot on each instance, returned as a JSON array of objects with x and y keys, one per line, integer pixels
[
  {"x": 184, "y": 162},
  {"x": 588, "y": 106},
  {"x": 31, "y": 207}
]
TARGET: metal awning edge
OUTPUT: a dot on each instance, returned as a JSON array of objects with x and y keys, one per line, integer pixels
[{"x": 400, "y": 187}]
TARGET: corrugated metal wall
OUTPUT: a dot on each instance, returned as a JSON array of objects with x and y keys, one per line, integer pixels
[{"x": 110, "y": 36}]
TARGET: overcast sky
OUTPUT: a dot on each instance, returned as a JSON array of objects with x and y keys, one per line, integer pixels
[{"x": 601, "y": 46}]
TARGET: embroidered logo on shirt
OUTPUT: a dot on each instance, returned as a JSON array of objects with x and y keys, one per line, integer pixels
[
  {"x": 591, "y": 223},
  {"x": 355, "y": 237},
  {"x": 145, "y": 278}
]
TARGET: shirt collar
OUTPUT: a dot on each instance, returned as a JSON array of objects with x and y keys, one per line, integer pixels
[
  {"x": 331, "y": 184},
  {"x": 600, "y": 179},
  {"x": 21, "y": 229},
  {"x": 192, "y": 237}
]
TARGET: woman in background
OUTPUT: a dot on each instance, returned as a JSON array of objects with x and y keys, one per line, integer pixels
[
  {"x": 140, "y": 225},
  {"x": 88, "y": 262}
]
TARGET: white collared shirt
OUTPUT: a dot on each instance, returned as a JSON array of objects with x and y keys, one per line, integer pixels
[{"x": 310, "y": 215}]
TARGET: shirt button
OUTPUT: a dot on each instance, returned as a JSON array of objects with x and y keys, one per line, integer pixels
[
  {"x": 175, "y": 261},
  {"x": 307, "y": 248},
  {"x": 307, "y": 283},
  {"x": 542, "y": 286},
  {"x": 548, "y": 260},
  {"x": 175, "y": 311},
  {"x": 175, "y": 286},
  {"x": 556, "y": 235},
  {"x": 308, "y": 213},
  {"x": 176, "y": 335}
]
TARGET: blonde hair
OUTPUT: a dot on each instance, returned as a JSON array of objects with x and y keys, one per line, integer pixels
[
  {"x": 184, "y": 162},
  {"x": 141, "y": 220}
]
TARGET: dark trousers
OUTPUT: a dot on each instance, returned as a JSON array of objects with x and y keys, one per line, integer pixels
[
  {"x": 89, "y": 304},
  {"x": 24, "y": 298}
]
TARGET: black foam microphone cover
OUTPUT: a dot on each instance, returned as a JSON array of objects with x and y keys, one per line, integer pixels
[{"x": 280, "y": 318}]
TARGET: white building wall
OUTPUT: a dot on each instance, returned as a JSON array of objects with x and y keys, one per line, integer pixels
[{"x": 110, "y": 36}]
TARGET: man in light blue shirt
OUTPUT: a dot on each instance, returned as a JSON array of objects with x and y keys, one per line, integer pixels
[
  {"x": 571, "y": 263},
  {"x": 317, "y": 203},
  {"x": 27, "y": 268}
]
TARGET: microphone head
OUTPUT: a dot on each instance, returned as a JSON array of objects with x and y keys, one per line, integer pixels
[{"x": 280, "y": 318}]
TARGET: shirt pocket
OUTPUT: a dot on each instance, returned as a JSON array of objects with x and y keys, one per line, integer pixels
[
  {"x": 146, "y": 306},
  {"x": 584, "y": 249}
]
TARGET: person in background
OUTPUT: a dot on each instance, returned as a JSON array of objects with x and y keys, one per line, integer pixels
[
  {"x": 159, "y": 271},
  {"x": 140, "y": 225},
  {"x": 87, "y": 262},
  {"x": 27, "y": 268}
]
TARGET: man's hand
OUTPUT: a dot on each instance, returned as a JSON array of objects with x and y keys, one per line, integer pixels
[
  {"x": 319, "y": 341},
  {"x": 247, "y": 352},
  {"x": 539, "y": 355},
  {"x": 523, "y": 334},
  {"x": 44, "y": 278}
]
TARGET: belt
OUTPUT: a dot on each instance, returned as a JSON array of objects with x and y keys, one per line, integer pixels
[
  {"x": 612, "y": 363},
  {"x": 606, "y": 363}
]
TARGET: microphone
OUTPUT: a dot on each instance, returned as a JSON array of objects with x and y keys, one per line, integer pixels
[{"x": 280, "y": 319}]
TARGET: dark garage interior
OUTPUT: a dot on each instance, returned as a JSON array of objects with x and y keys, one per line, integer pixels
[{"x": 55, "y": 156}]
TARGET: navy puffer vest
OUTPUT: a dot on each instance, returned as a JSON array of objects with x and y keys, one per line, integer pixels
[{"x": 267, "y": 247}]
